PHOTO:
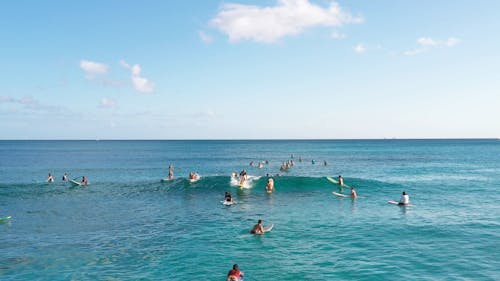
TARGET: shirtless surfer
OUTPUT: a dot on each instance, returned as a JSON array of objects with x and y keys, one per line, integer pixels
[
  {"x": 258, "y": 228},
  {"x": 50, "y": 178},
  {"x": 270, "y": 185},
  {"x": 353, "y": 193}
]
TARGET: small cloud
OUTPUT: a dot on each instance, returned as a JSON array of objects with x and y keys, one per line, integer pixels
[
  {"x": 427, "y": 43},
  {"x": 360, "y": 48},
  {"x": 205, "y": 38},
  {"x": 108, "y": 103},
  {"x": 141, "y": 84},
  {"x": 269, "y": 24},
  {"x": 337, "y": 35},
  {"x": 93, "y": 68},
  {"x": 452, "y": 42},
  {"x": 6, "y": 99}
]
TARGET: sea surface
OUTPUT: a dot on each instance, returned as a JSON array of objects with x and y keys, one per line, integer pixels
[{"x": 128, "y": 225}]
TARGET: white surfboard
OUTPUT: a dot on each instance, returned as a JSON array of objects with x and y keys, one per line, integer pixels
[
  {"x": 268, "y": 228},
  {"x": 166, "y": 179},
  {"x": 228, "y": 203},
  {"x": 339, "y": 194},
  {"x": 397, "y": 203},
  {"x": 332, "y": 180},
  {"x": 75, "y": 183}
]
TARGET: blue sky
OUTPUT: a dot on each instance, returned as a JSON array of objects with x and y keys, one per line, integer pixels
[{"x": 243, "y": 69}]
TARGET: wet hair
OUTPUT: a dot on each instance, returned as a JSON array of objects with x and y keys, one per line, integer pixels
[
  {"x": 260, "y": 221},
  {"x": 404, "y": 192},
  {"x": 235, "y": 266}
]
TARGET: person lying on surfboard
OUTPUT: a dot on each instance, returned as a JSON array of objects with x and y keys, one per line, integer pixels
[
  {"x": 258, "y": 228},
  {"x": 405, "y": 199},
  {"x": 234, "y": 274}
]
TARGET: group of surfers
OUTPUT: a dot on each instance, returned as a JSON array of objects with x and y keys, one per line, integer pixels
[{"x": 50, "y": 179}]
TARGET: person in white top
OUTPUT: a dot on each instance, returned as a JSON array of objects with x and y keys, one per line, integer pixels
[{"x": 405, "y": 199}]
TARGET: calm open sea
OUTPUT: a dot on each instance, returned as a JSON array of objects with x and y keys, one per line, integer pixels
[{"x": 128, "y": 225}]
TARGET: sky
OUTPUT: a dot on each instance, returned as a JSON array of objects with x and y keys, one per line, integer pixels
[{"x": 239, "y": 69}]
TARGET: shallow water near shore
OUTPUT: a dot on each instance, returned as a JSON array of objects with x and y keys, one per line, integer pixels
[{"x": 128, "y": 225}]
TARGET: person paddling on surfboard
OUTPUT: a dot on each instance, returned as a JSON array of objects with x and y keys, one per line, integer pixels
[
  {"x": 405, "y": 199},
  {"x": 234, "y": 274},
  {"x": 258, "y": 228}
]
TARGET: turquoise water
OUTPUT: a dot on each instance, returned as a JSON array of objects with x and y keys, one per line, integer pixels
[{"x": 127, "y": 225}]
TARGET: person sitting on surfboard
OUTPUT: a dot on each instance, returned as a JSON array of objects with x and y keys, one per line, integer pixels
[
  {"x": 405, "y": 199},
  {"x": 270, "y": 185},
  {"x": 84, "y": 180},
  {"x": 341, "y": 180},
  {"x": 353, "y": 193},
  {"x": 50, "y": 178},
  {"x": 65, "y": 177},
  {"x": 228, "y": 197},
  {"x": 258, "y": 228},
  {"x": 234, "y": 274}
]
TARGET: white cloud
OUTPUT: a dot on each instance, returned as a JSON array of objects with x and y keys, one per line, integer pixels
[
  {"x": 93, "y": 68},
  {"x": 269, "y": 24},
  {"x": 108, "y": 103},
  {"x": 205, "y": 38},
  {"x": 337, "y": 35},
  {"x": 141, "y": 84},
  {"x": 427, "y": 43},
  {"x": 360, "y": 48}
]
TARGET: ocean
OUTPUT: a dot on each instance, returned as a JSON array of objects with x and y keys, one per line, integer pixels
[{"x": 128, "y": 225}]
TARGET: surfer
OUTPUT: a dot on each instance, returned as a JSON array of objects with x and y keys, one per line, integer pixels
[
  {"x": 228, "y": 197},
  {"x": 170, "y": 171},
  {"x": 341, "y": 180},
  {"x": 405, "y": 199},
  {"x": 258, "y": 228},
  {"x": 325, "y": 163},
  {"x": 84, "y": 181},
  {"x": 243, "y": 176},
  {"x": 50, "y": 178},
  {"x": 234, "y": 274},
  {"x": 353, "y": 193},
  {"x": 65, "y": 177},
  {"x": 270, "y": 185}
]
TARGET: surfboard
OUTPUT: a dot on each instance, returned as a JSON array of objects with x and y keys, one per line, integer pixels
[
  {"x": 332, "y": 180},
  {"x": 3, "y": 219},
  {"x": 228, "y": 203},
  {"x": 268, "y": 228},
  {"x": 165, "y": 180},
  {"x": 397, "y": 203},
  {"x": 339, "y": 194},
  {"x": 75, "y": 183},
  {"x": 193, "y": 180}
]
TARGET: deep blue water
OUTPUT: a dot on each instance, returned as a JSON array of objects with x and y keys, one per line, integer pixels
[{"x": 127, "y": 225}]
